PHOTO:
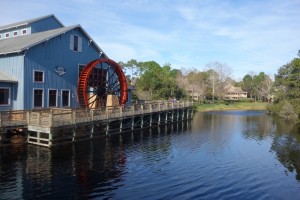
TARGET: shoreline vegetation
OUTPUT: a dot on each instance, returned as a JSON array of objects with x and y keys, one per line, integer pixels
[{"x": 231, "y": 106}]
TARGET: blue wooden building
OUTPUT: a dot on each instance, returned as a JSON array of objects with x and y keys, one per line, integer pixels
[{"x": 40, "y": 62}]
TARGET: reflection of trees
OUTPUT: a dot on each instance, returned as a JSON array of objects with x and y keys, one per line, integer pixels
[
  {"x": 286, "y": 138},
  {"x": 257, "y": 127},
  {"x": 286, "y": 145}
]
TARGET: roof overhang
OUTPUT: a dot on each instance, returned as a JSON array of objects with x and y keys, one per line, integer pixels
[{"x": 5, "y": 78}]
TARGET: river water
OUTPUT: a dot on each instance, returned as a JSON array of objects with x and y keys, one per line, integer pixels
[{"x": 217, "y": 155}]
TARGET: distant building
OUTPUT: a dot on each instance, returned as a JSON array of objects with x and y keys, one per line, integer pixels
[
  {"x": 234, "y": 93},
  {"x": 40, "y": 63}
]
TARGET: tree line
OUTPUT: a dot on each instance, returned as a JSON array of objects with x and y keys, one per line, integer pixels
[{"x": 153, "y": 82}]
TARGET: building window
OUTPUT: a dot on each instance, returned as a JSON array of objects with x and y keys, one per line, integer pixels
[
  {"x": 4, "y": 96},
  {"x": 65, "y": 98},
  {"x": 6, "y": 35},
  {"x": 0, "y": 36},
  {"x": 52, "y": 98},
  {"x": 38, "y": 76},
  {"x": 76, "y": 43},
  {"x": 15, "y": 33},
  {"x": 38, "y": 98},
  {"x": 24, "y": 32}
]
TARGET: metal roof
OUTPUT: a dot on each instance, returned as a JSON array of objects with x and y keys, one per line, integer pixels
[
  {"x": 22, "y": 43},
  {"x": 7, "y": 78},
  {"x": 26, "y": 22}
]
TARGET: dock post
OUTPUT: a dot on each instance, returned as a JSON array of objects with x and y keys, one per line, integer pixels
[
  {"x": 132, "y": 122},
  {"x": 28, "y": 117},
  {"x": 158, "y": 122},
  {"x": 121, "y": 111},
  {"x": 73, "y": 116},
  {"x": 166, "y": 119},
  {"x": 150, "y": 115},
  {"x": 74, "y": 134},
  {"x": 92, "y": 130},
  {"x": 50, "y": 139},
  {"x": 50, "y": 117},
  {"x": 142, "y": 121},
  {"x": 91, "y": 115},
  {"x": 107, "y": 127},
  {"x": 121, "y": 125},
  {"x": 38, "y": 137}
]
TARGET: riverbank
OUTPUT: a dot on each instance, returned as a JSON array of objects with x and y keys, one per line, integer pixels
[{"x": 232, "y": 106}]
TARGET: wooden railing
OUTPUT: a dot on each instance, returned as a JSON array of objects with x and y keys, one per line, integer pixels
[{"x": 55, "y": 117}]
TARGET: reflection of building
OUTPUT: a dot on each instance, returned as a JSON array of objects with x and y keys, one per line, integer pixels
[{"x": 234, "y": 93}]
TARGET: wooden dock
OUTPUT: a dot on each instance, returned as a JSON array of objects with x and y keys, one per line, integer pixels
[{"x": 55, "y": 126}]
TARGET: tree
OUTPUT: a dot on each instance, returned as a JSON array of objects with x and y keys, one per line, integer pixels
[
  {"x": 265, "y": 88},
  {"x": 219, "y": 73},
  {"x": 288, "y": 77},
  {"x": 194, "y": 82},
  {"x": 247, "y": 84},
  {"x": 156, "y": 82}
]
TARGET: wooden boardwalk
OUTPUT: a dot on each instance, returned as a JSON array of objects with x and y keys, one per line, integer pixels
[{"x": 45, "y": 126}]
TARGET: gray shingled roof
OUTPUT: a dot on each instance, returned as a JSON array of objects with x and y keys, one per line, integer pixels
[
  {"x": 6, "y": 78},
  {"x": 21, "y": 43},
  {"x": 26, "y": 22}
]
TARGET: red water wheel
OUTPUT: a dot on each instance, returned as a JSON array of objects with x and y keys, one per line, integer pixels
[{"x": 98, "y": 79}]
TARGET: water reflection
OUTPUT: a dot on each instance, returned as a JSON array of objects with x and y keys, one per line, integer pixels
[
  {"x": 286, "y": 145},
  {"x": 285, "y": 137},
  {"x": 219, "y": 155},
  {"x": 86, "y": 170}
]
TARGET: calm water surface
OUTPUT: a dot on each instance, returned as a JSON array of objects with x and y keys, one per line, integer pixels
[{"x": 219, "y": 155}]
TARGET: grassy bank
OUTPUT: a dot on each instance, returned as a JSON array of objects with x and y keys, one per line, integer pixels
[{"x": 232, "y": 106}]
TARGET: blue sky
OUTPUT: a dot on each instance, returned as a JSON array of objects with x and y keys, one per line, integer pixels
[{"x": 248, "y": 36}]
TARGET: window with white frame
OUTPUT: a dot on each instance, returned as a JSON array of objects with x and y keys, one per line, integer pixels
[
  {"x": 38, "y": 96},
  {"x": 0, "y": 36},
  {"x": 6, "y": 35},
  {"x": 4, "y": 96},
  {"x": 52, "y": 98},
  {"x": 65, "y": 98},
  {"x": 15, "y": 33},
  {"x": 38, "y": 76},
  {"x": 24, "y": 31},
  {"x": 75, "y": 43}
]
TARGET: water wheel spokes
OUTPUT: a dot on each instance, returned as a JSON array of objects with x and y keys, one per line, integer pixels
[{"x": 99, "y": 79}]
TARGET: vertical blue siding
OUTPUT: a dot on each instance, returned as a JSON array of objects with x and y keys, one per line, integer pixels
[
  {"x": 45, "y": 25},
  {"x": 53, "y": 53},
  {"x": 13, "y": 65}
]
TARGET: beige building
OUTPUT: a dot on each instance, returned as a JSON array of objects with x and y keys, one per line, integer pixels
[{"x": 234, "y": 93}]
